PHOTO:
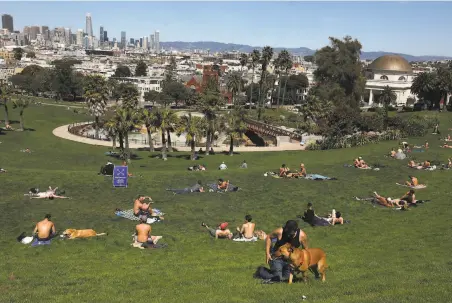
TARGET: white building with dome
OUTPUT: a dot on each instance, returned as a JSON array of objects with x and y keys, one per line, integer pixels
[{"x": 393, "y": 71}]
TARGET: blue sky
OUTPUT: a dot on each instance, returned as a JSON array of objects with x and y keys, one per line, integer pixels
[{"x": 417, "y": 28}]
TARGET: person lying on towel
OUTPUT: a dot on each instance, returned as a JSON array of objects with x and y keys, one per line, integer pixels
[
  {"x": 246, "y": 231},
  {"x": 143, "y": 236},
  {"x": 221, "y": 232},
  {"x": 311, "y": 218},
  {"x": 197, "y": 188},
  {"x": 445, "y": 145},
  {"x": 45, "y": 229}
]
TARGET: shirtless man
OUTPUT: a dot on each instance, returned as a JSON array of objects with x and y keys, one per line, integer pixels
[
  {"x": 302, "y": 172},
  {"x": 140, "y": 207},
  {"x": 283, "y": 170},
  {"x": 222, "y": 185},
  {"x": 143, "y": 236},
  {"x": 247, "y": 229},
  {"x": 362, "y": 163},
  {"x": 387, "y": 202},
  {"x": 50, "y": 194},
  {"x": 426, "y": 164},
  {"x": 45, "y": 229},
  {"x": 409, "y": 197},
  {"x": 413, "y": 181}
]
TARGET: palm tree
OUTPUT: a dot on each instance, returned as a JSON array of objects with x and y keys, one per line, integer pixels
[
  {"x": 209, "y": 103},
  {"x": 194, "y": 128},
  {"x": 5, "y": 94},
  {"x": 172, "y": 120},
  {"x": 110, "y": 127},
  {"x": 234, "y": 84},
  {"x": 149, "y": 118},
  {"x": 95, "y": 92},
  {"x": 255, "y": 57},
  {"x": 387, "y": 97},
  {"x": 243, "y": 61},
  {"x": 236, "y": 126},
  {"x": 112, "y": 85},
  {"x": 285, "y": 64},
  {"x": 124, "y": 120},
  {"x": 267, "y": 54},
  {"x": 21, "y": 103},
  {"x": 128, "y": 94},
  {"x": 164, "y": 121}
]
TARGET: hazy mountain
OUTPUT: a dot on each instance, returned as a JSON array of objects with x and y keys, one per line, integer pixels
[{"x": 300, "y": 51}]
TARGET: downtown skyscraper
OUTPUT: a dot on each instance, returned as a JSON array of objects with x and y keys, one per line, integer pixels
[
  {"x": 157, "y": 41},
  {"x": 7, "y": 22},
  {"x": 101, "y": 34},
  {"x": 89, "y": 25},
  {"x": 123, "y": 40}
]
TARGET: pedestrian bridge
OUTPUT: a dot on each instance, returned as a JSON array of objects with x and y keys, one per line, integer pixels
[{"x": 262, "y": 128}]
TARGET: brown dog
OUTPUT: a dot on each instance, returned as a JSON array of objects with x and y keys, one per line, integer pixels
[
  {"x": 81, "y": 233},
  {"x": 303, "y": 259}
]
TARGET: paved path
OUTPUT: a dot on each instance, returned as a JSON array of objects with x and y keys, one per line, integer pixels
[
  {"x": 62, "y": 132},
  {"x": 54, "y": 104}
]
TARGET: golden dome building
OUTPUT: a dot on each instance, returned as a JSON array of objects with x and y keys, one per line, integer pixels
[{"x": 393, "y": 71}]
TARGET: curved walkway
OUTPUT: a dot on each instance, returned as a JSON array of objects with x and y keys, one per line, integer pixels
[{"x": 62, "y": 132}]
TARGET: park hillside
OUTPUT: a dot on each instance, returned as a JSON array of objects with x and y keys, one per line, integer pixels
[{"x": 383, "y": 255}]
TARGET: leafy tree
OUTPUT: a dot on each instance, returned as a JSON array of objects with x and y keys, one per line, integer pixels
[
  {"x": 308, "y": 58},
  {"x": 141, "y": 69},
  {"x": 128, "y": 94},
  {"x": 152, "y": 96},
  {"x": 31, "y": 70},
  {"x": 21, "y": 103},
  {"x": 339, "y": 64},
  {"x": 112, "y": 84},
  {"x": 95, "y": 93},
  {"x": 296, "y": 83},
  {"x": 251, "y": 92},
  {"x": 243, "y": 61},
  {"x": 122, "y": 71},
  {"x": 193, "y": 98},
  {"x": 66, "y": 82},
  {"x": 194, "y": 128},
  {"x": 18, "y": 53},
  {"x": 111, "y": 129},
  {"x": 236, "y": 126},
  {"x": 150, "y": 120},
  {"x": 425, "y": 87},
  {"x": 5, "y": 97},
  {"x": 176, "y": 91},
  {"x": 31, "y": 54}
]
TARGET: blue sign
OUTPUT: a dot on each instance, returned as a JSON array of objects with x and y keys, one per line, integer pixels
[{"x": 120, "y": 176}]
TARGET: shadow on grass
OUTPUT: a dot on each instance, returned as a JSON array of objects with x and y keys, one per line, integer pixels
[{"x": 156, "y": 149}]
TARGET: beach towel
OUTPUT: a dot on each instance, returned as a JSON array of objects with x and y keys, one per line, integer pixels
[
  {"x": 39, "y": 243},
  {"x": 128, "y": 214},
  {"x": 318, "y": 177},
  {"x": 213, "y": 187},
  {"x": 253, "y": 239},
  {"x": 419, "y": 186}
]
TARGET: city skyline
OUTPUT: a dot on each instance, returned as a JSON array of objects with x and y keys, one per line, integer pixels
[{"x": 404, "y": 27}]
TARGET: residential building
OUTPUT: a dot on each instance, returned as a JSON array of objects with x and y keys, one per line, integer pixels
[
  {"x": 144, "y": 84},
  {"x": 7, "y": 22}
]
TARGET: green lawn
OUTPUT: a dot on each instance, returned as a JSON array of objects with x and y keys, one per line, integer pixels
[{"x": 382, "y": 256}]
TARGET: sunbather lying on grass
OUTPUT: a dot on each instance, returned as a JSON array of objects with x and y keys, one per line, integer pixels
[
  {"x": 197, "y": 188},
  {"x": 221, "y": 232},
  {"x": 445, "y": 145}
]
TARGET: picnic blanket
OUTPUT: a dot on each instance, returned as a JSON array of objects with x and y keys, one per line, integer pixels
[
  {"x": 39, "y": 243},
  {"x": 318, "y": 177},
  {"x": 253, "y": 239},
  {"x": 213, "y": 187},
  {"x": 419, "y": 186},
  {"x": 128, "y": 214}
]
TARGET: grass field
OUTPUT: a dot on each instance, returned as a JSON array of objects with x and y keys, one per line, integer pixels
[{"x": 382, "y": 256}]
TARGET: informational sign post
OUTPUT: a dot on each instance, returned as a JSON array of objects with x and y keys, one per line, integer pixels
[{"x": 120, "y": 176}]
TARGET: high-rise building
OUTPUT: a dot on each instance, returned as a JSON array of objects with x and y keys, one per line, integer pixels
[
  {"x": 105, "y": 36},
  {"x": 114, "y": 40},
  {"x": 79, "y": 39},
  {"x": 152, "y": 46},
  {"x": 7, "y": 22},
  {"x": 89, "y": 25},
  {"x": 123, "y": 40},
  {"x": 145, "y": 42},
  {"x": 157, "y": 41},
  {"x": 101, "y": 34},
  {"x": 45, "y": 32},
  {"x": 33, "y": 33},
  {"x": 141, "y": 42},
  {"x": 67, "y": 36},
  {"x": 132, "y": 41}
]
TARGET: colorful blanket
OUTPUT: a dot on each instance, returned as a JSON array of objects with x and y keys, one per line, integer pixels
[{"x": 128, "y": 214}]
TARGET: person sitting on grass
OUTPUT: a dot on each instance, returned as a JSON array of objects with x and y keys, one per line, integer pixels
[
  {"x": 45, "y": 229},
  {"x": 124, "y": 163},
  {"x": 412, "y": 164},
  {"x": 413, "y": 181},
  {"x": 107, "y": 169},
  {"x": 143, "y": 236},
  {"x": 222, "y": 184},
  {"x": 409, "y": 197},
  {"x": 221, "y": 232},
  {"x": 335, "y": 218},
  {"x": 426, "y": 145},
  {"x": 244, "y": 165},
  {"x": 284, "y": 171},
  {"x": 141, "y": 208},
  {"x": 302, "y": 172},
  {"x": 222, "y": 166},
  {"x": 311, "y": 218},
  {"x": 392, "y": 153},
  {"x": 246, "y": 231},
  {"x": 362, "y": 163},
  {"x": 426, "y": 164}
]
